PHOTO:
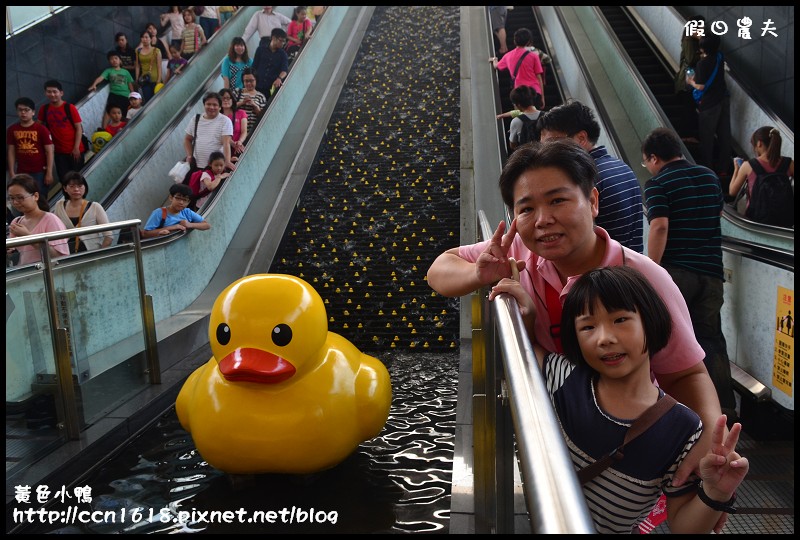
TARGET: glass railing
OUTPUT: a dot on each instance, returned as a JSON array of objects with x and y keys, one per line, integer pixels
[{"x": 80, "y": 330}]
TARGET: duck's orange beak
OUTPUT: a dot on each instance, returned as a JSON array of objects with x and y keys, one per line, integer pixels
[{"x": 255, "y": 365}]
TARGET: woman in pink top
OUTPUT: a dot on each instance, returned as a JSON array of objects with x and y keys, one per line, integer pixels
[
  {"x": 23, "y": 192},
  {"x": 239, "y": 119},
  {"x": 530, "y": 71},
  {"x": 298, "y": 31}
]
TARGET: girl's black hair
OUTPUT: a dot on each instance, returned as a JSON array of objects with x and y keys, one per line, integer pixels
[{"x": 615, "y": 288}]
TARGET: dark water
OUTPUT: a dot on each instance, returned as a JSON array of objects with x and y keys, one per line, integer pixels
[{"x": 397, "y": 482}]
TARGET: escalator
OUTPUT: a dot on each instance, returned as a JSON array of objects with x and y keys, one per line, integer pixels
[
  {"x": 525, "y": 17},
  {"x": 655, "y": 71}
]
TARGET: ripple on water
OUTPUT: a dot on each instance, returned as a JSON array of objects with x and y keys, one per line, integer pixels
[{"x": 397, "y": 482}]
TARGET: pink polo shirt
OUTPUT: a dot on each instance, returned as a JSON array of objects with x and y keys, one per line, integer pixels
[{"x": 682, "y": 351}]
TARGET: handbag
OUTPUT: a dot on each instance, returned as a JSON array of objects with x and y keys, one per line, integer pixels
[
  {"x": 179, "y": 171},
  {"x": 144, "y": 79},
  {"x": 198, "y": 10}
]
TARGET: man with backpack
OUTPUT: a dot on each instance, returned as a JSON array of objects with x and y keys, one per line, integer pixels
[
  {"x": 64, "y": 123},
  {"x": 684, "y": 206},
  {"x": 620, "y": 195}
]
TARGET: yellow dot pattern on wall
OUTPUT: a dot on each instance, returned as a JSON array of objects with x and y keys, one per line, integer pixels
[{"x": 381, "y": 201}]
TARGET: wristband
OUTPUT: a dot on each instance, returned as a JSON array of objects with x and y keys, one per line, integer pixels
[{"x": 726, "y": 506}]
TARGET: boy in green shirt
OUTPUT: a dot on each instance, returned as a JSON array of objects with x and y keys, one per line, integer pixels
[{"x": 120, "y": 85}]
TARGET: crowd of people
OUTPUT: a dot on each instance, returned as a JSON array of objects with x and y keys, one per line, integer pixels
[{"x": 55, "y": 147}]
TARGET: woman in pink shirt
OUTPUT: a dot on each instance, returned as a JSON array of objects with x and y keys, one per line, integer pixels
[
  {"x": 23, "y": 192},
  {"x": 239, "y": 119}
]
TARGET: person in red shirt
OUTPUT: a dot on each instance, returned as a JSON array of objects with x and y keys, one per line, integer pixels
[
  {"x": 30, "y": 147},
  {"x": 66, "y": 131},
  {"x": 115, "y": 122}
]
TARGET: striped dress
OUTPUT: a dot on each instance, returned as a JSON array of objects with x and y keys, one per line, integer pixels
[{"x": 622, "y": 495}]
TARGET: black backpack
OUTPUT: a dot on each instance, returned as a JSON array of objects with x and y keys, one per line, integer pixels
[
  {"x": 528, "y": 132},
  {"x": 772, "y": 197}
]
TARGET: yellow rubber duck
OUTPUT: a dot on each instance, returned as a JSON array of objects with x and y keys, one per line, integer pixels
[{"x": 281, "y": 394}]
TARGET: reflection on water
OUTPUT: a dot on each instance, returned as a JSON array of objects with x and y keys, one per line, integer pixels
[{"x": 396, "y": 482}]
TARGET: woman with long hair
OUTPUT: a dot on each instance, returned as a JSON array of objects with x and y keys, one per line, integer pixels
[
  {"x": 148, "y": 66},
  {"x": 238, "y": 117},
  {"x": 766, "y": 142},
  {"x": 234, "y": 64}
]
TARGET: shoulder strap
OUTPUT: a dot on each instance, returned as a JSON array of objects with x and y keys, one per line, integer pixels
[
  {"x": 783, "y": 166},
  {"x": 519, "y": 62},
  {"x": 639, "y": 426},
  {"x": 757, "y": 167},
  {"x": 713, "y": 73},
  {"x": 163, "y": 217},
  {"x": 68, "y": 113},
  {"x": 554, "y": 308},
  {"x": 80, "y": 219},
  {"x": 194, "y": 139}
]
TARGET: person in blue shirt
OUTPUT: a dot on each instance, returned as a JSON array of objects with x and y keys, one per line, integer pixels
[
  {"x": 176, "y": 216},
  {"x": 620, "y": 211},
  {"x": 271, "y": 64}
]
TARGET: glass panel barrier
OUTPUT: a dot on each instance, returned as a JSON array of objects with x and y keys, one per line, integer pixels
[
  {"x": 98, "y": 303},
  {"x": 76, "y": 340}
]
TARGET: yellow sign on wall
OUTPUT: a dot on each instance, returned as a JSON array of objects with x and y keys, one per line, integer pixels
[{"x": 783, "y": 361}]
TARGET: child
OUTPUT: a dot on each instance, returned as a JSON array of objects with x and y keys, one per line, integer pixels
[
  {"x": 175, "y": 63},
  {"x": 203, "y": 182},
  {"x": 120, "y": 85},
  {"x": 176, "y": 216},
  {"x": 115, "y": 122},
  {"x": 298, "y": 32},
  {"x": 135, "y": 104},
  {"x": 523, "y": 126},
  {"x": 613, "y": 321}
]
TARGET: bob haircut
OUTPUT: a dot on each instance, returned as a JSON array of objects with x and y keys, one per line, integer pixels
[
  {"x": 74, "y": 177},
  {"x": 615, "y": 288}
]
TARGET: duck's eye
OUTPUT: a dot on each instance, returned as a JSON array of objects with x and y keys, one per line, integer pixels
[
  {"x": 281, "y": 335},
  {"x": 223, "y": 334}
]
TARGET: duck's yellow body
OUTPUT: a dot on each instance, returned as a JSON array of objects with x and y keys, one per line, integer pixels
[{"x": 281, "y": 394}]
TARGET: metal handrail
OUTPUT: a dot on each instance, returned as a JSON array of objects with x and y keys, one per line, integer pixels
[
  {"x": 58, "y": 328},
  {"x": 553, "y": 496}
]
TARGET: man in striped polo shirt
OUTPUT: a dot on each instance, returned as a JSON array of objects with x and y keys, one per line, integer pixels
[
  {"x": 620, "y": 212},
  {"x": 684, "y": 204}
]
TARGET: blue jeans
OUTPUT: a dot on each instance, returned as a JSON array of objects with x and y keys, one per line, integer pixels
[
  {"x": 704, "y": 298},
  {"x": 209, "y": 26}
]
